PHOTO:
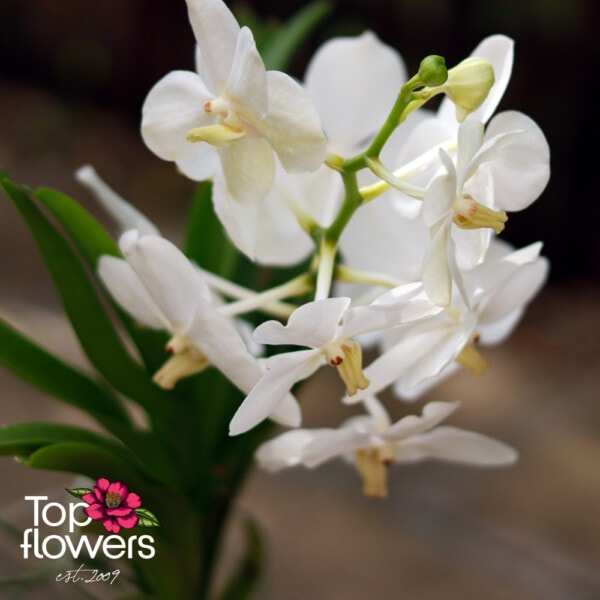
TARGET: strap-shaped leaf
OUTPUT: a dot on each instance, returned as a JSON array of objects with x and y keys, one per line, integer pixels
[
  {"x": 25, "y": 438},
  {"x": 88, "y": 234},
  {"x": 89, "y": 460},
  {"x": 279, "y": 51},
  {"x": 206, "y": 242},
  {"x": 50, "y": 374},
  {"x": 83, "y": 306},
  {"x": 93, "y": 241}
]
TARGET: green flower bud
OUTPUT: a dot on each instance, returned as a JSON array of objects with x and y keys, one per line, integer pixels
[
  {"x": 468, "y": 85},
  {"x": 433, "y": 71}
]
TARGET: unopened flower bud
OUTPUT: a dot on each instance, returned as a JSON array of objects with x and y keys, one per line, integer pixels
[
  {"x": 468, "y": 85},
  {"x": 433, "y": 71}
]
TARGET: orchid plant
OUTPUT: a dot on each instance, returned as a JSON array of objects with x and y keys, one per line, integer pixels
[{"x": 378, "y": 219}]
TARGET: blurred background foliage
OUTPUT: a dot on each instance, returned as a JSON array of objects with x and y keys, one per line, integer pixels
[{"x": 110, "y": 53}]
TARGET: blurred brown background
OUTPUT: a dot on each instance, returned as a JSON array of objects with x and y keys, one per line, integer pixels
[{"x": 73, "y": 75}]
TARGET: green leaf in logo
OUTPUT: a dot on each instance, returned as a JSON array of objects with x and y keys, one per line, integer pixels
[
  {"x": 147, "y": 519},
  {"x": 79, "y": 492}
]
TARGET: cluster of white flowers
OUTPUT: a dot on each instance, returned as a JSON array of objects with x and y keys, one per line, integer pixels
[{"x": 398, "y": 206}]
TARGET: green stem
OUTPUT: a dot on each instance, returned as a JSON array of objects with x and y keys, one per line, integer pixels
[
  {"x": 331, "y": 236},
  {"x": 264, "y": 300},
  {"x": 327, "y": 255},
  {"x": 350, "y": 275},
  {"x": 394, "y": 119},
  {"x": 352, "y": 202}
]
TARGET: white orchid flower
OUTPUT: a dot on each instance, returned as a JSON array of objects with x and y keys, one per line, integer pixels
[
  {"x": 507, "y": 167},
  {"x": 161, "y": 288},
  {"x": 326, "y": 327},
  {"x": 231, "y": 110},
  {"x": 354, "y": 102},
  {"x": 275, "y": 229},
  {"x": 268, "y": 231},
  {"x": 417, "y": 145},
  {"x": 417, "y": 357},
  {"x": 373, "y": 443}
]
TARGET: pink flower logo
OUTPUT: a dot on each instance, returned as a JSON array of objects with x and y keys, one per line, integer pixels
[{"x": 115, "y": 506}]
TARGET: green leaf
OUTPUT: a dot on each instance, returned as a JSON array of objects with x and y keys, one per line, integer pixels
[
  {"x": 25, "y": 438},
  {"x": 55, "y": 377},
  {"x": 87, "y": 233},
  {"x": 147, "y": 518},
  {"x": 279, "y": 51},
  {"x": 83, "y": 306},
  {"x": 79, "y": 492},
  {"x": 89, "y": 460},
  {"x": 244, "y": 582},
  {"x": 93, "y": 241}
]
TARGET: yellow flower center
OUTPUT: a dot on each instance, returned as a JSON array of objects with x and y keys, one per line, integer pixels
[
  {"x": 186, "y": 360},
  {"x": 470, "y": 214},
  {"x": 470, "y": 358},
  {"x": 112, "y": 499},
  {"x": 229, "y": 126},
  {"x": 372, "y": 464},
  {"x": 346, "y": 357}
]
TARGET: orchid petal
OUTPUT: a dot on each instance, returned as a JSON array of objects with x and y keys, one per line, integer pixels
[
  {"x": 443, "y": 353},
  {"x": 520, "y": 174},
  {"x": 172, "y": 107},
  {"x": 217, "y": 338},
  {"x": 314, "y": 324},
  {"x": 126, "y": 215},
  {"x": 397, "y": 360},
  {"x": 292, "y": 125},
  {"x": 397, "y": 248},
  {"x": 498, "y": 49},
  {"x": 129, "y": 292},
  {"x": 284, "y": 370},
  {"x": 216, "y": 32},
  {"x": 440, "y": 195},
  {"x": 409, "y": 393},
  {"x": 249, "y": 168},
  {"x": 287, "y": 412},
  {"x": 399, "y": 306},
  {"x": 266, "y": 230},
  {"x": 171, "y": 280},
  {"x": 353, "y": 102},
  {"x": 247, "y": 82},
  {"x": 285, "y": 450},
  {"x": 435, "y": 272},
  {"x": 491, "y": 152},
  {"x": 516, "y": 292},
  {"x": 433, "y": 414},
  {"x": 495, "y": 332},
  {"x": 334, "y": 442},
  {"x": 470, "y": 139},
  {"x": 503, "y": 261},
  {"x": 467, "y": 447}
]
